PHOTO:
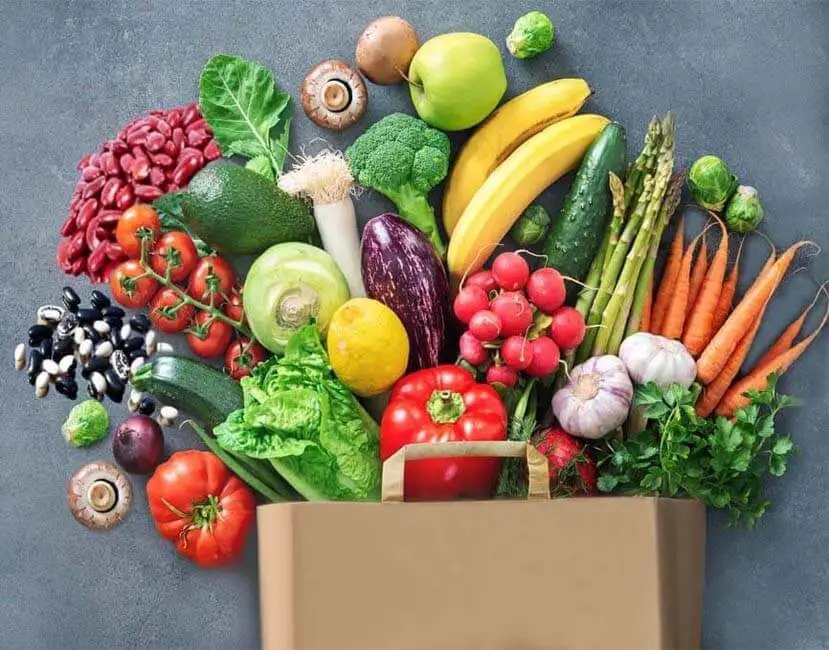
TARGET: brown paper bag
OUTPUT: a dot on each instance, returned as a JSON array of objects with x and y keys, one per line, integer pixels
[{"x": 603, "y": 573}]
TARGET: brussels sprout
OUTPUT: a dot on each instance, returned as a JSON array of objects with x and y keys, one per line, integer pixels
[
  {"x": 88, "y": 422},
  {"x": 531, "y": 227},
  {"x": 711, "y": 183},
  {"x": 532, "y": 34},
  {"x": 744, "y": 211}
]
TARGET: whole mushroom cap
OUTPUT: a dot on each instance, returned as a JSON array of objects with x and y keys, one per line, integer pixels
[
  {"x": 99, "y": 495},
  {"x": 333, "y": 95}
]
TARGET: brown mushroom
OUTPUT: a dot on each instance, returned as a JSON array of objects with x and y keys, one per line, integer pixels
[
  {"x": 334, "y": 95},
  {"x": 99, "y": 495},
  {"x": 385, "y": 50}
]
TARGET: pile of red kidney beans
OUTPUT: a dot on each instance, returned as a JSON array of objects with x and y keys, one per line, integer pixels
[{"x": 152, "y": 155}]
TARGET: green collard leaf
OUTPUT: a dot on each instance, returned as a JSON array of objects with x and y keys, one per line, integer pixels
[
  {"x": 246, "y": 110},
  {"x": 261, "y": 165}
]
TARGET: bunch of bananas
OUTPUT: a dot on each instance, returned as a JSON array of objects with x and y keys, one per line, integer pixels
[{"x": 522, "y": 148}]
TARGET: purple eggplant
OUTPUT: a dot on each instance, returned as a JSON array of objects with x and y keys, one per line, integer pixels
[{"x": 402, "y": 270}]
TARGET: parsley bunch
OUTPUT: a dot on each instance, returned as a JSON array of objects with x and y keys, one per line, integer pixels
[{"x": 719, "y": 461}]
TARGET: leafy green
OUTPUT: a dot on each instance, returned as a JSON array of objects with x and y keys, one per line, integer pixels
[
  {"x": 261, "y": 165},
  {"x": 302, "y": 419},
  {"x": 248, "y": 113},
  {"x": 522, "y": 406},
  {"x": 719, "y": 461}
]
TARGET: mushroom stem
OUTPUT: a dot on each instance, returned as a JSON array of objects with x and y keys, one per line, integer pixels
[{"x": 335, "y": 95}]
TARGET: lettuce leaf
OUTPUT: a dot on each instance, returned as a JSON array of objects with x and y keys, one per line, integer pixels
[
  {"x": 306, "y": 422},
  {"x": 248, "y": 113}
]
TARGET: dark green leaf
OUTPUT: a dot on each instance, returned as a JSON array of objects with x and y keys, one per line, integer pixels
[
  {"x": 607, "y": 483},
  {"x": 656, "y": 410},
  {"x": 777, "y": 465},
  {"x": 245, "y": 108},
  {"x": 765, "y": 426}
]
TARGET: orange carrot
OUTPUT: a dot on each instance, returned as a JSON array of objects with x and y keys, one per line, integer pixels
[
  {"x": 718, "y": 351},
  {"x": 757, "y": 378},
  {"x": 784, "y": 342},
  {"x": 675, "y": 318},
  {"x": 698, "y": 271},
  {"x": 713, "y": 392},
  {"x": 666, "y": 288},
  {"x": 645, "y": 319},
  {"x": 728, "y": 291},
  {"x": 699, "y": 327}
]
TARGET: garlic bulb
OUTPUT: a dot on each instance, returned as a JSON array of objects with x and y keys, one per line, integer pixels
[
  {"x": 649, "y": 357},
  {"x": 597, "y": 398}
]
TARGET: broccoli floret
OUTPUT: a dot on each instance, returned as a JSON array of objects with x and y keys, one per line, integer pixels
[{"x": 403, "y": 158}]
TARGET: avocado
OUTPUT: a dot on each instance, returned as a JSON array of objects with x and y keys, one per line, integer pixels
[{"x": 237, "y": 211}]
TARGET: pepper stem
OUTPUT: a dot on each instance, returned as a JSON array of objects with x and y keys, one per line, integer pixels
[{"x": 445, "y": 407}]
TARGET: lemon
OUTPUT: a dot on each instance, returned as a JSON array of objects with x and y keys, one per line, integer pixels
[{"x": 368, "y": 346}]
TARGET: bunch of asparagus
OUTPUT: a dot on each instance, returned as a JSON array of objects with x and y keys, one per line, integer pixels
[{"x": 621, "y": 276}]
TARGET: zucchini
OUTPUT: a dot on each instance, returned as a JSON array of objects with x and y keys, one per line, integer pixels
[
  {"x": 577, "y": 233},
  {"x": 207, "y": 394}
]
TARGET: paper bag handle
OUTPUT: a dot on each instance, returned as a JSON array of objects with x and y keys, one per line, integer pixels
[{"x": 394, "y": 468}]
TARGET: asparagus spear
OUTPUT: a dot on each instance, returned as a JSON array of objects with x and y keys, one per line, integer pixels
[
  {"x": 615, "y": 316},
  {"x": 669, "y": 206},
  {"x": 645, "y": 163},
  {"x": 617, "y": 192},
  {"x": 612, "y": 270}
]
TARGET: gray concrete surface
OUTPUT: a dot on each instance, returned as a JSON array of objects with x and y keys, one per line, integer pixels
[{"x": 748, "y": 80}]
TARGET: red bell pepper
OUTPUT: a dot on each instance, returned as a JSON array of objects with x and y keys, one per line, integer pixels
[{"x": 444, "y": 404}]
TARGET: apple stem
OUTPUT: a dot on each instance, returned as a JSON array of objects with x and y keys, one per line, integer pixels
[{"x": 407, "y": 80}]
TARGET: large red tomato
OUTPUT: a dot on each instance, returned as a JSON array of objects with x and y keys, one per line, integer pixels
[{"x": 197, "y": 503}]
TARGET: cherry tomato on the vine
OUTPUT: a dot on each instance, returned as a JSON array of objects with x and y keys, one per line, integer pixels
[
  {"x": 241, "y": 357},
  {"x": 169, "y": 312},
  {"x": 138, "y": 223},
  {"x": 178, "y": 252},
  {"x": 208, "y": 336},
  {"x": 213, "y": 277},
  {"x": 130, "y": 285},
  {"x": 233, "y": 307}
]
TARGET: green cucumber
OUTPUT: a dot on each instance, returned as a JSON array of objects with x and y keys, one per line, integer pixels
[
  {"x": 576, "y": 234},
  {"x": 207, "y": 394}
]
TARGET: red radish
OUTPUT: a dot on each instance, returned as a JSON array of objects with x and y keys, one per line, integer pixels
[
  {"x": 510, "y": 271},
  {"x": 483, "y": 279},
  {"x": 514, "y": 311},
  {"x": 485, "y": 326},
  {"x": 472, "y": 350},
  {"x": 546, "y": 356},
  {"x": 546, "y": 290},
  {"x": 501, "y": 375},
  {"x": 567, "y": 328},
  {"x": 468, "y": 302},
  {"x": 516, "y": 352},
  {"x": 572, "y": 467}
]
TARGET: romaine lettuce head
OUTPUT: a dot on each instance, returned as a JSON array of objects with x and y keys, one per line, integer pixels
[{"x": 298, "y": 415}]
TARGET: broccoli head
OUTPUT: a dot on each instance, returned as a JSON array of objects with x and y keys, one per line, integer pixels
[{"x": 403, "y": 158}]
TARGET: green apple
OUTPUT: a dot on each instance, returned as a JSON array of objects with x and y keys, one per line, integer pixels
[{"x": 456, "y": 80}]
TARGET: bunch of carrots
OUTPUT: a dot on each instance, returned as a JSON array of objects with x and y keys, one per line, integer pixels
[{"x": 694, "y": 304}]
